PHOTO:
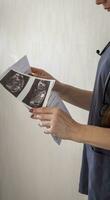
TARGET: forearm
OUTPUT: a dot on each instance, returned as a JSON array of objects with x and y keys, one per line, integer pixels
[
  {"x": 75, "y": 96},
  {"x": 96, "y": 136}
]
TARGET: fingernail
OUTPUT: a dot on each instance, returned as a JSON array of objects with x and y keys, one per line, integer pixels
[{"x": 32, "y": 116}]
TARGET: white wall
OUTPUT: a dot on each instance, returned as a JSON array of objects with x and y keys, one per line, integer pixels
[{"x": 62, "y": 37}]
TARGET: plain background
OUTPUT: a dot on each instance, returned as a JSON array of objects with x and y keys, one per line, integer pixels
[{"x": 61, "y": 36}]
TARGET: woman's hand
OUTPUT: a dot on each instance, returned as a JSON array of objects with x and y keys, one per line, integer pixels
[
  {"x": 43, "y": 74},
  {"x": 57, "y": 122}
]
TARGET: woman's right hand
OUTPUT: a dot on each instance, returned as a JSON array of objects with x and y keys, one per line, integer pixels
[{"x": 43, "y": 74}]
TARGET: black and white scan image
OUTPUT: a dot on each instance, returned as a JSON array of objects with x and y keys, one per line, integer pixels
[
  {"x": 14, "y": 82},
  {"x": 36, "y": 96}
]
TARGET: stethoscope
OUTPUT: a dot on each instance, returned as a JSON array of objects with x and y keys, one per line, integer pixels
[
  {"x": 105, "y": 105},
  {"x": 106, "y": 47}
]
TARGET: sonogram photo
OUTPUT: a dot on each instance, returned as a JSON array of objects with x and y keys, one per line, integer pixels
[
  {"x": 37, "y": 93},
  {"x": 14, "y": 82}
]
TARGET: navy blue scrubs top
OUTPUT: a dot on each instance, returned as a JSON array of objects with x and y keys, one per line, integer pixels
[{"x": 95, "y": 171}]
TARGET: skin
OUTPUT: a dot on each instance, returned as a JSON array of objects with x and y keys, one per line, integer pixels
[
  {"x": 105, "y": 3},
  {"x": 60, "y": 123}
]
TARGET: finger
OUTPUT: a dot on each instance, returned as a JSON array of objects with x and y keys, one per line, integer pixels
[
  {"x": 32, "y": 74},
  {"x": 35, "y": 69},
  {"x": 39, "y": 72},
  {"x": 47, "y": 131},
  {"x": 107, "y": 8},
  {"x": 98, "y": 2},
  {"x": 46, "y": 124},
  {"x": 42, "y": 117},
  {"x": 43, "y": 110}
]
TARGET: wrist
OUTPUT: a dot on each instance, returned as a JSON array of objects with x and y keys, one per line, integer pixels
[{"x": 77, "y": 133}]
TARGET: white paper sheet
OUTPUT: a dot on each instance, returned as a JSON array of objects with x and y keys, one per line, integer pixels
[{"x": 32, "y": 91}]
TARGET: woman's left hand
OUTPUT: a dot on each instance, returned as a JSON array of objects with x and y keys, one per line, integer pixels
[{"x": 57, "y": 122}]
